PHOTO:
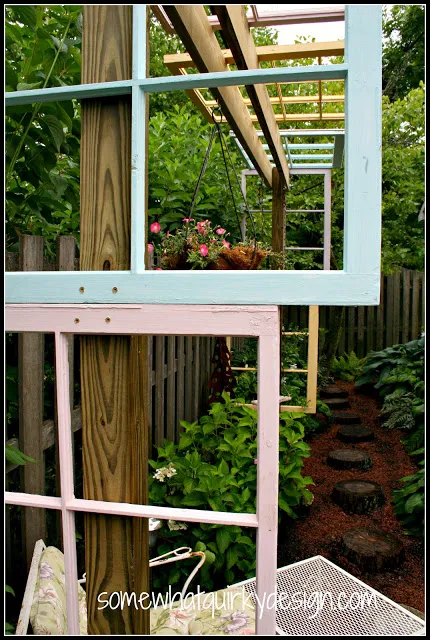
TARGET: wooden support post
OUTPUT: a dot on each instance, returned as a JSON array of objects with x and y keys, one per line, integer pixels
[
  {"x": 30, "y": 382},
  {"x": 278, "y": 212},
  {"x": 311, "y": 393},
  {"x": 113, "y": 368}
]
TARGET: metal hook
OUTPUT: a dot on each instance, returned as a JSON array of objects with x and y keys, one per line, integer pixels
[{"x": 217, "y": 108}]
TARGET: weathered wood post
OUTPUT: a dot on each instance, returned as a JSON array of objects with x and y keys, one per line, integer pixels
[
  {"x": 278, "y": 211},
  {"x": 114, "y": 369},
  {"x": 30, "y": 372}
]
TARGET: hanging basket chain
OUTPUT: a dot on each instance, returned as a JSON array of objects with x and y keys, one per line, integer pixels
[{"x": 224, "y": 148}]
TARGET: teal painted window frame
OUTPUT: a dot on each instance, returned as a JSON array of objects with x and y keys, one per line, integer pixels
[{"x": 359, "y": 281}]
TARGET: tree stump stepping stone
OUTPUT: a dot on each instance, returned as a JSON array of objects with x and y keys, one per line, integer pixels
[
  {"x": 358, "y": 496},
  {"x": 372, "y": 549},
  {"x": 337, "y": 403},
  {"x": 339, "y": 417},
  {"x": 355, "y": 433},
  {"x": 332, "y": 391},
  {"x": 349, "y": 459}
]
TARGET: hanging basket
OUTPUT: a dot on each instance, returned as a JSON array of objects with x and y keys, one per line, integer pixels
[{"x": 239, "y": 257}]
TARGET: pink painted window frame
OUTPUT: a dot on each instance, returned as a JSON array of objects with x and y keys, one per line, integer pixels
[{"x": 128, "y": 319}]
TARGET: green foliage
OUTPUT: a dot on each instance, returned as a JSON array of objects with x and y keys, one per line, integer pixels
[
  {"x": 409, "y": 500},
  {"x": 398, "y": 374},
  {"x": 213, "y": 467},
  {"x": 162, "y": 43},
  {"x": 403, "y": 49},
  {"x": 42, "y": 140},
  {"x": 9, "y": 628},
  {"x": 347, "y": 367},
  {"x": 15, "y": 456},
  {"x": 397, "y": 367},
  {"x": 403, "y": 193}
]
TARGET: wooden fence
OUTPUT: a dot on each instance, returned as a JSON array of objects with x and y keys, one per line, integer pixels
[{"x": 399, "y": 318}]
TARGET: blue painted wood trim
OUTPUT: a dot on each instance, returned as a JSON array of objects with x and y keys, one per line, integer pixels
[
  {"x": 138, "y": 143},
  {"x": 312, "y": 165},
  {"x": 79, "y": 91},
  {"x": 315, "y": 146},
  {"x": 310, "y": 156},
  {"x": 363, "y": 52},
  {"x": 181, "y": 83},
  {"x": 194, "y": 287}
]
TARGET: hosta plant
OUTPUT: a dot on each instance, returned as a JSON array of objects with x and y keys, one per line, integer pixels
[{"x": 409, "y": 500}]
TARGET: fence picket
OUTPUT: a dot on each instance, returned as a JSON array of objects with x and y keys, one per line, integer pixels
[
  {"x": 396, "y": 307},
  {"x": 406, "y": 311},
  {"x": 170, "y": 389},
  {"x": 180, "y": 393},
  {"x": 159, "y": 390},
  {"x": 380, "y": 318},
  {"x": 30, "y": 381},
  {"x": 415, "y": 305}
]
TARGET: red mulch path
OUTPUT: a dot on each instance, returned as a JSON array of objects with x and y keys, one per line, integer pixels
[{"x": 319, "y": 531}]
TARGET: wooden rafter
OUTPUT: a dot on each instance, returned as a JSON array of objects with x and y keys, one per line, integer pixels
[
  {"x": 179, "y": 63},
  {"x": 267, "y": 53},
  {"x": 287, "y": 99},
  {"x": 237, "y": 36},
  {"x": 192, "y": 26}
]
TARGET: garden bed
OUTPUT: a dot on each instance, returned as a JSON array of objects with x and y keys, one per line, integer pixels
[{"x": 319, "y": 531}]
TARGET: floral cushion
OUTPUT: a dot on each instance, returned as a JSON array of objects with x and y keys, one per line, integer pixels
[
  {"x": 220, "y": 613},
  {"x": 48, "y": 614}
]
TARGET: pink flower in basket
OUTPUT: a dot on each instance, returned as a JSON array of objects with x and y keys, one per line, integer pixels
[
  {"x": 204, "y": 250},
  {"x": 202, "y": 227},
  {"x": 225, "y": 243},
  {"x": 150, "y": 248},
  {"x": 155, "y": 227},
  {"x": 220, "y": 231}
]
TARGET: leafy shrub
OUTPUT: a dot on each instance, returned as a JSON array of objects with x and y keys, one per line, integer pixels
[
  {"x": 409, "y": 501},
  {"x": 398, "y": 374},
  {"x": 401, "y": 406},
  {"x": 213, "y": 467},
  {"x": 347, "y": 367},
  {"x": 399, "y": 366}
]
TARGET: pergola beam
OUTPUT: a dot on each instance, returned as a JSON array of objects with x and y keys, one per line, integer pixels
[
  {"x": 192, "y": 26},
  {"x": 267, "y": 53},
  {"x": 237, "y": 35}
]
